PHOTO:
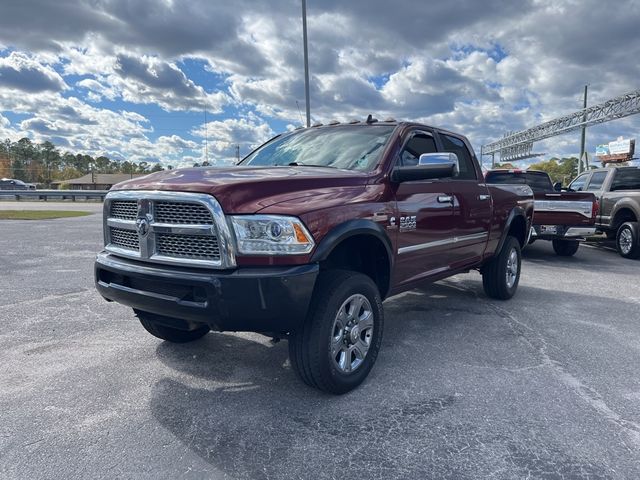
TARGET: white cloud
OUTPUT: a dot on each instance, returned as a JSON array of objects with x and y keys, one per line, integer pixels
[
  {"x": 223, "y": 136},
  {"x": 19, "y": 71},
  {"x": 478, "y": 67}
]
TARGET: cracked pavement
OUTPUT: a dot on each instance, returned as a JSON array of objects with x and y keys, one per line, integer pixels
[{"x": 543, "y": 386}]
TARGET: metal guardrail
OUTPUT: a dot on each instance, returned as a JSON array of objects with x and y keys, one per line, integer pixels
[{"x": 54, "y": 194}]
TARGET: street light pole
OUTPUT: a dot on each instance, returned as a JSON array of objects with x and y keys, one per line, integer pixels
[
  {"x": 583, "y": 135},
  {"x": 306, "y": 60}
]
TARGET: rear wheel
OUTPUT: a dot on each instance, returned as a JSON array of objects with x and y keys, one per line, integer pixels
[
  {"x": 337, "y": 345},
  {"x": 565, "y": 248},
  {"x": 501, "y": 275},
  {"x": 628, "y": 241},
  {"x": 156, "y": 326}
]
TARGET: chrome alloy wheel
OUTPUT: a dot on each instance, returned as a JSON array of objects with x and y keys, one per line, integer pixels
[
  {"x": 352, "y": 333},
  {"x": 625, "y": 240},
  {"x": 512, "y": 268}
]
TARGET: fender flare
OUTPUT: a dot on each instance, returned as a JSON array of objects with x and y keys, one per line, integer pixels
[
  {"x": 348, "y": 229},
  {"x": 513, "y": 214},
  {"x": 623, "y": 203}
]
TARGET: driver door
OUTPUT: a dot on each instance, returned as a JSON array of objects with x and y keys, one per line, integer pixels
[{"x": 424, "y": 216}]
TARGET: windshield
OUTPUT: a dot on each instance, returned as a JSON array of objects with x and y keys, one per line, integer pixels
[
  {"x": 539, "y": 182},
  {"x": 350, "y": 147}
]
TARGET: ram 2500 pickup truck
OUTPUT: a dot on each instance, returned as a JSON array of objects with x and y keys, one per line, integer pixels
[
  {"x": 307, "y": 236},
  {"x": 565, "y": 218},
  {"x": 618, "y": 191}
]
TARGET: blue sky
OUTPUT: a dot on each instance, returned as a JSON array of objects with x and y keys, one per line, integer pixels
[{"x": 133, "y": 80}]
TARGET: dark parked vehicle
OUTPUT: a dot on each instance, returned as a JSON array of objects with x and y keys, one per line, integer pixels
[
  {"x": 13, "y": 184},
  {"x": 564, "y": 218},
  {"x": 307, "y": 236},
  {"x": 618, "y": 190}
]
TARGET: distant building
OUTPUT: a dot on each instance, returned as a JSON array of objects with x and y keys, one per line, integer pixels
[{"x": 96, "y": 181}]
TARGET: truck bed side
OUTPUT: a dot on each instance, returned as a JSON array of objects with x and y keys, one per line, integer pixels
[{"x": 509, "y": 202}]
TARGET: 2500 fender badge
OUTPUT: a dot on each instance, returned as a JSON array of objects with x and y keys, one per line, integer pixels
[{"x": 407, "y": 223}]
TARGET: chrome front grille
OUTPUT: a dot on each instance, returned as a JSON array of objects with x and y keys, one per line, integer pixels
[
  {"x": 127, "y": 239},
  {"x": 182, "y": 213},
  {"x": 188, "y": 246},
  {"x": 125, "y": 209},
  {"x": 168, "y": 227}
]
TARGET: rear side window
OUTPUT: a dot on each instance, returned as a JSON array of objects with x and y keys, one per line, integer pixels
[
  {"x": 626, "y": 179},
  {"x": 578, "y": 184},
  {"x": 457, "y": 146},
  {"x": 597, "y": 179},
  {"x": 508, "y": 178},
  {"x": 539, "y": 182}
]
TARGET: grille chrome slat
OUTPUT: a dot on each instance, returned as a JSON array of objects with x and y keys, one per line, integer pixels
[
  {"x": 188, "y": 246},
  {"x": 182, "y": 213},
  {"x": 122, "y": 238},
  {"x": 182, "y": 228},
  {"x": 124, "y": 209}
]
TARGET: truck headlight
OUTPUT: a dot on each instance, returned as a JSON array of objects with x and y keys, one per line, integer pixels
[{"x": 271, "y": 235}]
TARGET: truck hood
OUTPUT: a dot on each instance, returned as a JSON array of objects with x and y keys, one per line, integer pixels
[{"x": 250, "y": 189}]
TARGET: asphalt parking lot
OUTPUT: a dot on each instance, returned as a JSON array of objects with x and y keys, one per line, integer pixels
[{"x": 544, "y": 386}]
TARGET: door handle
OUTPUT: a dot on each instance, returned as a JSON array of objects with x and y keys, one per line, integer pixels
[
  {"x": 484, "y": 197},
  {"x": 445, "y": 199}
]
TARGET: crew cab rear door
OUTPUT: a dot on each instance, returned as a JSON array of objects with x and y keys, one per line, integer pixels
[
  {"x": 424, "y": 219},
  {"x": 471, "y": 202}
]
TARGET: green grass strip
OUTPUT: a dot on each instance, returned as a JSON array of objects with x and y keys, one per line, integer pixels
[{"x": 39, "y": 214}]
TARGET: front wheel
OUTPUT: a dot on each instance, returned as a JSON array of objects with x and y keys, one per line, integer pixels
[
  {"x": 338, "y": 343},
  {"x": 501, "y": 275},
  {"x": 628, "y": 240},
  {"x": 565, "y": 248},
  {"x": 155, "y": 325}
]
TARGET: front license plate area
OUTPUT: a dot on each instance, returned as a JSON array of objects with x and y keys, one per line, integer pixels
[{"x": 549, "y": 229}]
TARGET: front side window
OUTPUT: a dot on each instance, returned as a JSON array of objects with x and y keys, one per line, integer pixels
[
  {"x": 626, "y": 179},
  {"x": 578, "y": 184},
  {"x": 418, "y": 144},
  {"x": 596, "y": 182},
  {"x": 350, "y": 147}
]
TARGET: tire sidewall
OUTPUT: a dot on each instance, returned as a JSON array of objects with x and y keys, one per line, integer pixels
[
  {"x": 357, "y": 284},
  {"x": 511, "y": 244},
  {"x": 566, "y": 248},
  {"x": 633, "y": 228}
]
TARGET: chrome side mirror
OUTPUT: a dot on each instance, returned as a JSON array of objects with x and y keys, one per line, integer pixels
[
  {"x": 431, "y": 166},
  {"x": 441, "y": 159}
]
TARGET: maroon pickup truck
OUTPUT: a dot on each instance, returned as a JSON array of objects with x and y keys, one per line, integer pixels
[
  {"x": 565, "y": 218},
  {"x": 307, "y": 236}
]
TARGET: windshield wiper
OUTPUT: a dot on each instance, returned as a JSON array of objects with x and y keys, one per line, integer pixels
[{"x": 300, "y": 164}]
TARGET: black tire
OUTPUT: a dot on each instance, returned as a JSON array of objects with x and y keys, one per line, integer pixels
[
  {"x": 565, "y": 248},
  {"x": 153, "y": 324},
  {"x": 628, "y": 240},
  {"x": 310, "y": 348},
  {"x": 494, "y": 273}
]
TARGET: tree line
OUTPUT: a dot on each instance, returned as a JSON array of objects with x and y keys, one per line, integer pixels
[{"x": 43, "y": 163}]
